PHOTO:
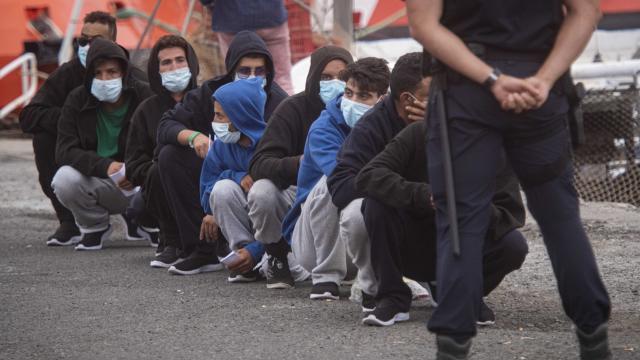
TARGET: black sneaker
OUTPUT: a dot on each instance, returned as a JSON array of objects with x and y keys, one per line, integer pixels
[
  {"x": 450, "y": 349},
  {"x": 93, "y": 240},
  {"x": 278, "y": 273},
  {"x": 325, "y": 291},
  {"x": 196, "y": 263},
  {"x": 385, "y": 316},
  {"x": 486, "y": 317},
  {"x": 166, "y": 259},
  {"x": 66, "y": 234},
  {"x": 132, "y": 229},
  {"x": 152, "y": 235},
  {"x": 368, "y": 302},
  {"x": 594, "y": 346},
  {"x": 247, "y": 277}
]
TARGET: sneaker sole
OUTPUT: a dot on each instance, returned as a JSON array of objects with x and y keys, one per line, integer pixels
[
  {"x": 104, "y": 236},
  {"x": 204, "y": 269},
  {"x": 486, "y": 323},
  {"x": 367, "y": 310},
  {"x": 159, "y": 264},
  {"x": 279, "y": 286},
  {"x": 73, "y": 241},
  {"x": 241, "y": 280},
  {"x": 324, "y": 296},
  {"x": 374, "y": 321}
]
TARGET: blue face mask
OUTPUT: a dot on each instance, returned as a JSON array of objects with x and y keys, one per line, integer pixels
[
  {"x": 107, "y": 90},
  {"x": 264, "y": 80},
  {"x": 176, "y": 80},
  {"x": 82, "y": 54},
  {"x": 352, "y": 111},
  {"x": 330, "y": 89},
  {"x": 223, "y": 134}
]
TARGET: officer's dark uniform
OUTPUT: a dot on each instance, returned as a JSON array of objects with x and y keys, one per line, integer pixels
[{"x": 515, "y": 37}]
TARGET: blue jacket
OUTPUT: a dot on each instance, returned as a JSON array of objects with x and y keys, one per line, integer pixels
[
  {"x": 232, "y": 16},
  {"x": 324, "y": 140},
  {"x": 243, "y": 102}
]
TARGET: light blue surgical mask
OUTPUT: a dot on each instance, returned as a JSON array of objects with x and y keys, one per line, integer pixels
[
  {"x": 264, "y": 80},
  {"x": 223, "y": 134},
  {"x": 176, "y": 80},
  {"x": 82, "y": 54},
  {"x": 107, "y": 90},
  {"x": 330, "y": 89},
  {"x": 352, "y": 111}
]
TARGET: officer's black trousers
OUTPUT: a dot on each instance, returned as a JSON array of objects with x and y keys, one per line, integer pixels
[
  {"x": 180, "y": 177},
  {"x": 535, "y": 142},
  {"x": 44, "y": 149},
  {"x": 404, "y": 244}
]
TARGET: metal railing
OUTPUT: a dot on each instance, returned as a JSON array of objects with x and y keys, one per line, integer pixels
[{"x": 29, "y": 74}]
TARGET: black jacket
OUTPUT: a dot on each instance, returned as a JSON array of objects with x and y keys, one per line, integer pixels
[
  {"x": 367, "y": 138},
  {"x": 398, "y": 177},
  {"x": 141, "y": 144},
  {"x": 77, "y": 138},
  {"x": 195, "y": 112},
  {"x": 42, "y": 113},
  {"x": 277, "y": 154}
]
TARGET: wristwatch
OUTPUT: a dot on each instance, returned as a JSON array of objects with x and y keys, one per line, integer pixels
[{"x": 492, "y": 78}]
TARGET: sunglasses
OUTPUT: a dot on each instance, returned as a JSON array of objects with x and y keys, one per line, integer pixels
[
  {"x": 245, "y": 71},
  {"x": 86, "y": 40}
]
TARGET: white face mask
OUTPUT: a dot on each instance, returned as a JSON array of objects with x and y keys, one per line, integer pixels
[
  {"x": 352, "y": 111},
  {"x": 264, "y": 80},
  {"x": 107, "y": 90},
  {"x": 176, "y": 80},
  {"x": 82, "y": 54},
  {"x": 223, "y": 134}
]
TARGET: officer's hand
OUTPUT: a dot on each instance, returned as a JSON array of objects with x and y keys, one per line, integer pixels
[
  {"x": 510, "y": 92},
  {"x": 417, "y": 110},
  {"x": 201, "y": 145},
  {"x": 543, "y": 87},
  {"x": 209, "y": 229},
  {"x": 246, "y": 183},
  {"x": 243, "y": 264}
]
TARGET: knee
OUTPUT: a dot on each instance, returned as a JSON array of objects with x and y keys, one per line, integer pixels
[
  {"x": 351, "y": 215},
  {"x": 262, "y": 194},
  {"x": 223, "y": 192},
  {"x": 65, "y": 182},
  {"x": 516, "y": 249}
]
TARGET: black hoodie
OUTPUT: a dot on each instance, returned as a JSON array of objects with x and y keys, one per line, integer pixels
[
  {"x": 195, "y": 112},
  {"x": 277, "y": 154},
  {"x": 42, "y": 113},
  {"x": 141, "y": 145},
  {"x": 398, "y": 177},
  {"x": 77, "y": 138}
]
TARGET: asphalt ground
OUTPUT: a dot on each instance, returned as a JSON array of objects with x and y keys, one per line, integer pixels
[{"x": 59, "y": 304}]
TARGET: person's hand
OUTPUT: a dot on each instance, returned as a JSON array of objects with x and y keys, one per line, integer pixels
[
  {"x": 201, "y": 145},
  {"x": 114, "y": 167},
  {"x": 246, "y": 183},
  {"x": 243, "y": 264},
  {"x": 209, "y": 229},
  {"x": 543, "y": 87},
  {"x": 515, "y": 94},
  {"x": 417, "y": 110},
  {"x": 125, "y": 184}
]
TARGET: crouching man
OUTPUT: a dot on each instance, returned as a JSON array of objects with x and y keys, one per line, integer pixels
[{"x": 92, "y": 134}]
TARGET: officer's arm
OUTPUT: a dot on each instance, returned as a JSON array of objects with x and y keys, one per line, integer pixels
[
  {"x": 575, "y": 32},
  {"x": 424, "y": 22}
]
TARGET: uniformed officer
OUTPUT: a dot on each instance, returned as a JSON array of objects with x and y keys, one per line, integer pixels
[{"x": 504, "y": 62}]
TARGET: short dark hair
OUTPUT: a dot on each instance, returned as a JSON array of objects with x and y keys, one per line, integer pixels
[
  {"x": 102, "y": 17},
  {"x": 370, "y": 74},
  {"x": 170, "y": 41},
  {"x": 101, "y": 60},
  {"x": 406, "y": 74}
]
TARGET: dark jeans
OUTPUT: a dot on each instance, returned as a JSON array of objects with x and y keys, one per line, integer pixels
[
  {"x": 180, "y": 177},
  {"x": 156, "y": 203},
  {"x": 44, "y": 149},
  {"x": 537, "y": 145},
  {"x": 404, "y": 244}
]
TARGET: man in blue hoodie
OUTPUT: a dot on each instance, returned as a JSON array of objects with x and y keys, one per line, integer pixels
[
  {"x": 183, "y": 138},
  {"x": 238, "y": 125},
  {"x": 311, "y": 226}
]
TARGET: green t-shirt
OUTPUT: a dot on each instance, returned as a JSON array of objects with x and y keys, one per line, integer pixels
[{"x": 108, "y": 129}]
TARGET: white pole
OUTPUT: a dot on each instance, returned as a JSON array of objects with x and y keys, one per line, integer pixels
[
  {"x": 66, "y": 50},
  {"x": 605, "y": 69}
]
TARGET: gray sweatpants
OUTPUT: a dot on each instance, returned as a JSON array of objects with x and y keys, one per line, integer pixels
[
  {"x": 268, "y": 206},
  {"x": 231, "y": 209},
  {"x": 90, "y": 199},
  {"x": 354, "y": 235},
  {"x": 315, "y": 240}
]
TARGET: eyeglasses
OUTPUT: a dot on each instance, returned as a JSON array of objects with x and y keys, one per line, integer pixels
[
  {"x": 85, "y": 40},
  {"x": 245, "y": 71}
]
